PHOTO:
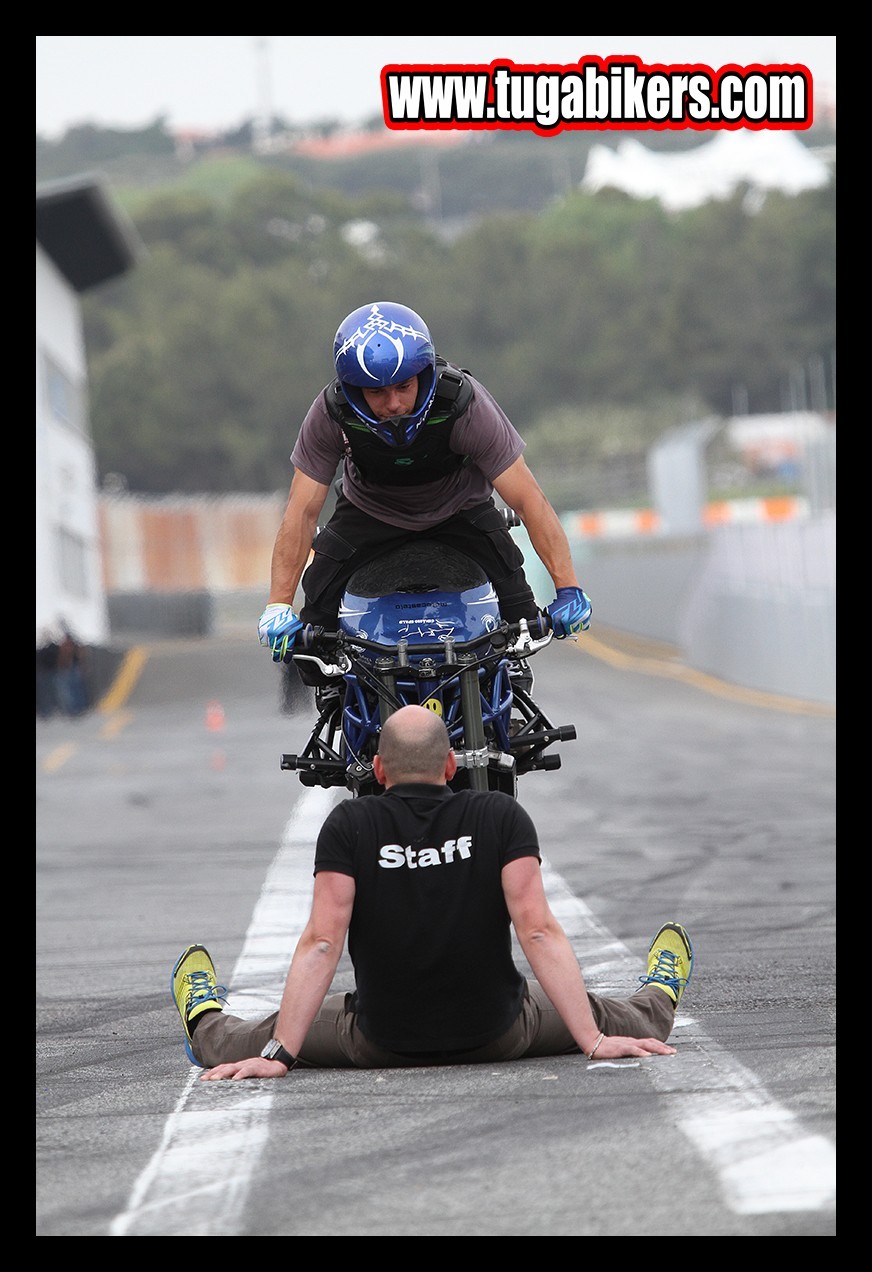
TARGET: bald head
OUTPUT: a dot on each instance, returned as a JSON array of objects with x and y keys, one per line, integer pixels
[{"x": 414, "y": 747}]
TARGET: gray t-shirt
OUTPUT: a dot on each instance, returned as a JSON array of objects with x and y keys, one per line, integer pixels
[{"x": 483, "y": 432}]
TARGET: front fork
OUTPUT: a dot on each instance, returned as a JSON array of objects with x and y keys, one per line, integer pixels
[{"x": 475, "y": 744}]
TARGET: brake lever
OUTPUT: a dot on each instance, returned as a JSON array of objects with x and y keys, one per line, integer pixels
[
  {"x": 525, "y": 644},
  {"x": 331, "y": 670}
]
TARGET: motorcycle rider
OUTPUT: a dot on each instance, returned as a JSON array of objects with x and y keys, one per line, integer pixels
[{"x": 423, "y": 446}]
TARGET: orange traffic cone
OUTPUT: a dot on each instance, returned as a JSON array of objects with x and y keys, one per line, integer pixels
[{"x": 214, "y": 716}]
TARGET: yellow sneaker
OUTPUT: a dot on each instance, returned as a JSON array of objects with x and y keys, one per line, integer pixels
[
  {"x": 194, "y": 988},
  {"x": 670, "y": 961}
]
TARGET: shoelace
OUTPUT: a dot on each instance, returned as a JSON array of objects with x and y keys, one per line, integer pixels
[
  {"x": 202, "y": 990},
  {"x": 664, "y": 972}
]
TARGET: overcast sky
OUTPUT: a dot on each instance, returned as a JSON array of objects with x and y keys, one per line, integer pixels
[{"x": 215, "y": 82}]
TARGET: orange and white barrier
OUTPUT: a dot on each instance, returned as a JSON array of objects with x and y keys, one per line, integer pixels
[
  {"x": 179, "y": 544},
  {"x": 640, "y": 521}
]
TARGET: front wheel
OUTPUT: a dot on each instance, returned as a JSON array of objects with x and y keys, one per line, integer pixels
[{"x": 503, "y": 780}]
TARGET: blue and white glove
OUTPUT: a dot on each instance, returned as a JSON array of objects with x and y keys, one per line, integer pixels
[
  {"x": 277, "y": 628},
  {"x": 569, "y": 613}
]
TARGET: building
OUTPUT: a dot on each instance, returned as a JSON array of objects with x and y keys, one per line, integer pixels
[{"x": 82, "y": 241}]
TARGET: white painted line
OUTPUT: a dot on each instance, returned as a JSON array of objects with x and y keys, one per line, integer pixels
[
  {"x": 197, "y": 1181},
  {"x": 765, "y": 1161}
]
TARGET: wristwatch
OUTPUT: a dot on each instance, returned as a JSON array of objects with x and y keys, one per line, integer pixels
[{"x": 275, "y": 1051}]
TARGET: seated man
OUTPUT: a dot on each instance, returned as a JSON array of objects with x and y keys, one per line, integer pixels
[{"x": 425, "y": 882}]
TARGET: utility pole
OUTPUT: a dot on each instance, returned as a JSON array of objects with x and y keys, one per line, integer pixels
[{"x": 262, "y": 127}]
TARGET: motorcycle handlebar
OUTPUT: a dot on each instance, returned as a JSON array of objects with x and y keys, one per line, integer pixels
[{"x": 318, "y": 640}]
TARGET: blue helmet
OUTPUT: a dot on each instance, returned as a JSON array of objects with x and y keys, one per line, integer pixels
[{"x": 381, "y": 344}]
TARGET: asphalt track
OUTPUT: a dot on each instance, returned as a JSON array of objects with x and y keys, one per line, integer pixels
[{"x": 163, "y": 818}]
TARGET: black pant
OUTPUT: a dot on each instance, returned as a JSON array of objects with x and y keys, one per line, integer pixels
[{"x": 352, "y": 539}]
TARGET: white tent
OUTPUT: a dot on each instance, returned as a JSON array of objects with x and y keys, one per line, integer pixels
[{"x": 766, "y": 160}]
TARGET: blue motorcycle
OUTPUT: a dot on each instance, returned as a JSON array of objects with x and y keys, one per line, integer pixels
[{"x": 423, "y": 626}]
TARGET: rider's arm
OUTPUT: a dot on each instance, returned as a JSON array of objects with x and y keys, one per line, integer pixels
[
  {"x": 315, "y": 958},
  {"x": 519, "y": 489},
  {"x": 293, "y": 541}
]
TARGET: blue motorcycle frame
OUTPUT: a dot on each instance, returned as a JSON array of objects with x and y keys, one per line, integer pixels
[{"x": 422, "y": 625}]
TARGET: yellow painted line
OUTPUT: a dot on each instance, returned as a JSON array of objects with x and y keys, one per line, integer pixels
[
  {"x": 117, "y": 721},
  {"x": 709, "y": 684},
  {"x": 125, "y": 681},
  {"x": 58, "y": 757},
  {"x": 109, "y": 705}
]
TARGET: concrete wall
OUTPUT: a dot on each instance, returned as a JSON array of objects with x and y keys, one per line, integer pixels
[
  {"x": 762, "y": 609},
  {"x": 752, "y": 604}
]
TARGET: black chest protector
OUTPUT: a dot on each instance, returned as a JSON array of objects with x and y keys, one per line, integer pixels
[{"x": 428, "y": 457}]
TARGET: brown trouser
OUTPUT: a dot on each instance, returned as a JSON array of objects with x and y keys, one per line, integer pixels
[{"x": 334, "y": 1040}]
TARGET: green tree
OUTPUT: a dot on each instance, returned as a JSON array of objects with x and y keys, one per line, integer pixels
[
  {"x": 596, "y": 322},
  {"x": 754, "y": 291},
  {"x": 191, "y": 225}
]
